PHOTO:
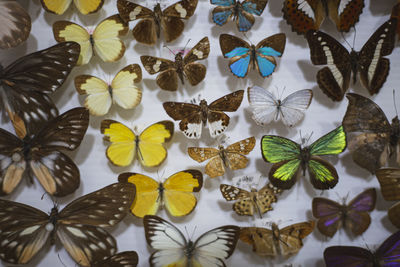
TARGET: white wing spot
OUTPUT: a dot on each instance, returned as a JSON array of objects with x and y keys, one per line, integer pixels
[
  {"x": 135, "y": 12},
  {"x": 375, "y": 59},
  {"x": 182, "y": 12},
  {"x": 306, "y": 8},
  {"x": 156, "y": 66},
  {"x": 198, "y": 53}
]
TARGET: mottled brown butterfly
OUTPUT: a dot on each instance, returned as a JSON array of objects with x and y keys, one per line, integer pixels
[{"x": 389, "y": 179}]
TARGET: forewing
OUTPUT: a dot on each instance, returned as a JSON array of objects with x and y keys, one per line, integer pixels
[
  {"x": 132, "y": 11},
  {"x": 198, "y": 52},
  {"x": 183, "y": 9},
  {"x": 124, "y": 91},
  {"x": 230, "y": 192},
  {"x": 358, "y": 219},
  {"x": 275, "y": 149},
  {"x": 228, "y": 103},
  {"x": 263, "y": 103},
  {"x": 293, "y": 106},
  {"x": 261, "y": 239},
  {"x": 291, "y": 237},
  {"x": 329, "y": 215},
  {"x": 122, "y": 259},
  {"x": 332, "y": 143},
  {"x": 389, "y": 180},
  {"x": 337, "y": 256},
  {"x": 232, "y": 45},
  {"x": 200, "y": 154},
  {"x": 235, "y": 153},
  {"x": 154, "y": 65}
]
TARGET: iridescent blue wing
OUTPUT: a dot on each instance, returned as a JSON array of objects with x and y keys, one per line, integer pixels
[
  {"x": 255, "y": 7},
  {"x": 223, "y": 11},
  {"x": 388, "y": 253},
  {"x": 238, "y": 51},
  {"x": 267, "y": 50},
  {"x": 245, "y": 18}
]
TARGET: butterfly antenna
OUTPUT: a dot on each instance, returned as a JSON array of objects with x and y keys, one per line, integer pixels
[
  {"x": 354, "y": 38},
  {"x": 245, "y": 36},
  {"x": 194, "y": 230},
  {"x": 308, "y": 139},
  {"x": 169, "y": 50},
  {"x": 186, "y": 45},
  {"x": 394, "y": 102},
  {"x": 59, "y": 258},
  {"x": 346, "y": 41}
]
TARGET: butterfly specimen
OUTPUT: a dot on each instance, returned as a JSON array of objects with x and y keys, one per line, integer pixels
[
  {"x": 172, "y": 248},
  {"x": 286, "y": 241},
  {"x": 182, "y": 67},
  {"x": 334, "y": 79},
  {"x": 122, "y": 259},
  {"x": 388, "y": 254},
  {"x": 389, "y": 180},
  {"x": 242, "y": 12},
  {"x": 15, "y": 24},
  {"x": 354, "y": 216},
  {"x": 309, "y": 14},
  {"x": 243, "y": 56},
  {"x": 175, "y": 193},
  {"x": 101, "y": 95},
  {"x": 104, "y": 39},
  {"x": 232, "y": 157},
  {"x": 250, "y": 202},
  {"x": 125, "y": 144},
  {"x": 24, "y": 230},
  {"x": 289, "y": 157},
  {"x": 371, "y": 137},
  {"x": 60, "y": 6},
  {"x": 169, "y": 20},
  {"x": 25, "y": 83},
  {"x": 266, "y": 107},
  {"x": 193, "y": 117},
  {"x": 40, "y": 155}
]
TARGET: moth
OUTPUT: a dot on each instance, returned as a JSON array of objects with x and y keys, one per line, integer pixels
[
  {"x": 242, "y": 12},
  {"x": 232, "y": 157},
  {"x": 182, "y": 67},
  {"x": 173, "y": 249},
  {"x": 40, "y": 154},
  {"x": 193, "y": 117},
  {"x": 370, "y": 61},
  {"x": 309, "y": 14},
  {"x": 122, "y": 259},
  {"x": 286, "y": 242},
  {"x": 243, "y": 56},
  {"x": 251, "y": 202},
  {"x": 354, "y": 216},
  {"x": 371, "y": 137},
  {"x": 85, "y": 7},
  {"x": 169, "y": 20},
  {"x": 389, "y": 180},
  {"x": 78, "y": 227}
]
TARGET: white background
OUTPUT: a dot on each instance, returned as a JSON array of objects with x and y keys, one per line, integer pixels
[{"x": 294, "y": 72}]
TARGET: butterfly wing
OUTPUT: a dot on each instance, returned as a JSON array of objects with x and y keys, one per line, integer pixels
[
  {"x": 168, "y": 77},
  {"x": 124, "y": 91},
  {"x": 88, "y": 7},
  {"x": 223, "y": 12},
  {"x": 261, "y": 239},
  {"x": 267, "y": 50},
  {"x": 195, "y": 72},
  {"x": 238, "y": 51},
  {"x": 303, "y": 16},
  {"x": 245, "y": 18},
  {"x": 345, "y": 14},
  {"x": 188, "y": 114},
  {"x": 265, "y": 197},
  {"x": 236, "y": 151},
  {"x": 56, "y": 7},
  {"x": 215, "y": 167},
  {"x": 263, "y": 103},
  {"x": 388, "y": 253},
  {"x": 291, "y": 237},
  {"x": 389, "y": 179},
  {"x": 336, "y": 256},
  {"x": 122, "y": 259},
  {"x": 244, "y": 205},
  {"x": 293, "y": 106},
  {"x": 329, "y": 214}
]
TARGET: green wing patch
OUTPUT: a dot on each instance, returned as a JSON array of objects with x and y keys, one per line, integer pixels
[
  {"x": 332, "y": 143},
  {"x": 276, "y": 149}
]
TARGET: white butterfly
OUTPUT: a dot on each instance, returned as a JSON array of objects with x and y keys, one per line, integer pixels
[
  {"x": 210, "y": 249},
  {"x": 266, "y": 107}
]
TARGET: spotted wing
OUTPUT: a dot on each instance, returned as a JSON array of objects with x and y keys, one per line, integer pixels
[
  {"x": 168, "y": 77},
  {"x": 195, "y": 72},
  {"x": 190, "y": 116},
  {"x": 244, "y": 205},
  {"x": 265, "y": 197},
  {"x": 345, "y": 13},
  {"x": 236, "y": 151},
  {"x": 215, "y": 167}
]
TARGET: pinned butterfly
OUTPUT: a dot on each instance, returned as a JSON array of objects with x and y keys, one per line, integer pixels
[
  {"x": 59, "y": 7},
  {"x": 389, "y": 180}
]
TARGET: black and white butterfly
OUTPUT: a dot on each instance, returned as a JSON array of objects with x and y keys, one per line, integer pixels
[
  {"x": 24, "y": 230},
  {"x": 334, "y": 79},
  {"x": 210, "y": 249}
]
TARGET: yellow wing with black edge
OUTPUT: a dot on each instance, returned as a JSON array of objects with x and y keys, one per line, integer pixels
[
  {"x": 60, "y": 6},
  {"x": 124, "y": 91}
]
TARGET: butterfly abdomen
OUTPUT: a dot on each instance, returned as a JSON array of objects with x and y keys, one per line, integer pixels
[
  {"x": 354, "y": 59},
  {"x": 305, "y": 157},
  {"x": 158, "y": 18},
  {"x": 395, "y": 134},
  {"x": 204, "y": 111},
  {"x": 179, "y": 66}
]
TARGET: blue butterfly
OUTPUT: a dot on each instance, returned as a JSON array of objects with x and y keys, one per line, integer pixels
[
  {"x": 242, "y": 12},
  {"x": 241, "y": 54}
]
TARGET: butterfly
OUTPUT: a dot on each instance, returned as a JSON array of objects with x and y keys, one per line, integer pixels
[
  {"x": 389, "y": 180},
  {"x": 175, "y": 193},
  {"x": 173, "y": 249},
  {"x": 101, "y": 95},
  {"x": 15, "y": 24},
  {"x": 372, "y": 139},
  {"x": 305, "y": 15},
  {"x": 60, "y": 6},
  {"x": 232, "y": 157},
  {"x": 388, "y": 254},
  {"x": 125, "y": 144},
  {"x": 182, "y": 67},
  {"x": 242, "y": 12},
  {"x": 286, "y": 241},
  {"x": 24, "y": 230},
  {"x": 41, "y": 155},
  {"x": 334, "y": 79},
  {"x": 148, "y": 30},
  {"x": 104, "y": 39},
  {"x": 250, "y": 202},
  {"x": 354, "y": 216},
  {"x": 193, "y": 116},
  {"x": 266, "y": 107},
  {"x": 26, "y": 82},
  {"x": 289, "y": 157},
  {"x": 122, "y": 259},
  {"x": 243, "y": 56}
]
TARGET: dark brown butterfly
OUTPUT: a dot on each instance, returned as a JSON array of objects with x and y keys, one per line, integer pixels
[
  {"x": 40, "y": 154},
  {"x": 354, "y": 216},
  {"x": 334, "y": 79},
  {"x": 24, "y": 230},
  {"x": 148, "y": 30},
  {"x": 26, "y": 83},
  {"x": 193, "y": 116},
  {"x": 389, "y": 179},
  {"x": 182, "y": 67},
  {"x": 122, "y": 259},
  {"x": 372, "y": 138}
]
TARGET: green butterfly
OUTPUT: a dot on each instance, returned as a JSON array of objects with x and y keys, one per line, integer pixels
[{"x": 289, "y": 156}]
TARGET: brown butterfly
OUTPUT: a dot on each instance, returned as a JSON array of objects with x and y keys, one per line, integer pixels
[
  {"x": 250, "y": 202},
  {"x": 24, "y": 230},
  {"x": 389, "y": 179},
  {"x": 182, "y": 67},
  {"x": 285, "y": 242},
  {"x": 122, "y": 259},
  {"x": 231, "y": 157},
  {"x": 373, "y": 139},
  {"x": 193, "y": 116},
  {"x": 148, "y": 30}
]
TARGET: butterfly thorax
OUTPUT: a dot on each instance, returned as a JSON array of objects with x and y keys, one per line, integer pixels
[
  {"x": 276, "y": 236},
  {"x": 189, "y": 250},
  {"x": 304, "y": 157},
  {"x": 157, "y": 18},
  {"x": 395, "y": 133},
  {"x": 236, "y": 10},
  {"x": 91, "y": 40},
  {"x": 222, "y": 155},
  {"x": 204, "y": 111},
  {"x": 52, "y": 224},
  {"x": 354, "y": 59},
  {"x": 26, "y": 149},
  {"x": 253, "y": 56},
  {"x": 161, "y": 190},
  {"x": 179, "y": 66}
]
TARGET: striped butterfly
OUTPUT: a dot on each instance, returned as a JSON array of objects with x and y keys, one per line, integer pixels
[
  {"x": 172, "y": 248},
  {"x": 24, "y": 230},
  {"x": 60, "y": 6},
  {"x": 122, "y": 259}
]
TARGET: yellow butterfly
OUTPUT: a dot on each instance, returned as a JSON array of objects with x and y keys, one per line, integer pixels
[
  {"x": 104, "y": 39},
  {"x": 176, "y": 193},
  {"x": 125, "y": 144},
  {"x": 60, "y": 6},
  {"x": 122, "y": 90}
]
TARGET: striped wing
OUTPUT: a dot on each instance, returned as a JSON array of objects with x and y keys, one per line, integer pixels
[{"x": 122, "y": 259}]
